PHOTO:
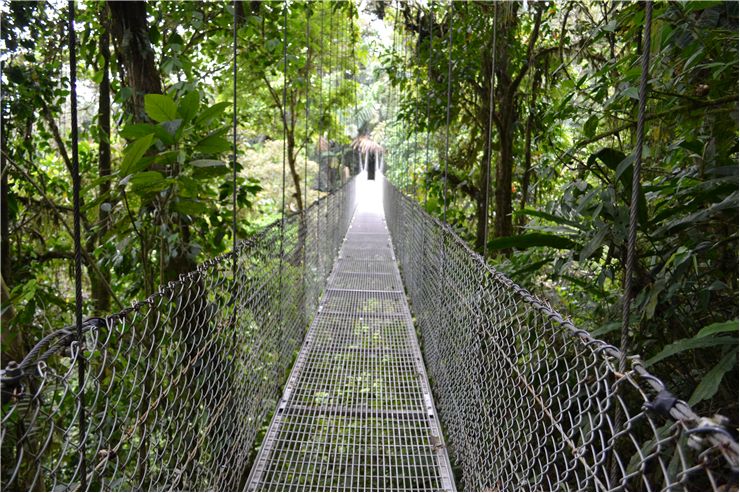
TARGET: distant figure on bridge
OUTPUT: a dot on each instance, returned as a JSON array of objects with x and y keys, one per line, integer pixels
[
  {"x": 371, "y": 155},
  {"x": 371, "y": 167}
]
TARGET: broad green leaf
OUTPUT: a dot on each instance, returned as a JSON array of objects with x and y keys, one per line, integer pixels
[
  {"x": 211, "y": 112},
  {"x": 596, "y": 242},
  {"x": 710, "y": 383},
  {"x": 134, "y": 152},
  {"x": 213, "y": 145},
  {"x": 549, "y": 217},
  {"x": 589, "y": 128},
  {"x": 207, "y": 163},
  {"x": 190, "y": 207},
  {"x": 606, "y": 329},
  {"x": 137, "y": 130},
  {"x": 687, "y": 344},
  {"x": 148, "y": 182},
  {"x": 189, "y": 106},
  {"x": 529, "y": 240},
  {"x": 631, "y": 92},
  {"x": 172, "y": 127},
  {"x": 719, "y": 327},
  {"x": 208, "y": 168},
  {"x": 160, "y": 107}
]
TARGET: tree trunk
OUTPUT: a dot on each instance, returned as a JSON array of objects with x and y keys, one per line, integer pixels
[
  {"x": 130, "y": 30},
  {"x": 528, "y": 146},
  {"x": 101, "y": 297},
  {"x": 293, "y": 171},
  {"x": 484, "y": 184},
  {"x": 503, "y": 224}
]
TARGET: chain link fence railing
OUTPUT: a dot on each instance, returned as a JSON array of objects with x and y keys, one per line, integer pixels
[
  {"x": 178, "y": 386},
  {"x": 531, "y": 402}
]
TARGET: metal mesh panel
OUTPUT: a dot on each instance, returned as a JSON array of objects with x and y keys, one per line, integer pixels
[
  {"x": 357, "y": 413},
  {"x": 530, "y": 402},
  {"x": 177, "y": 386}
]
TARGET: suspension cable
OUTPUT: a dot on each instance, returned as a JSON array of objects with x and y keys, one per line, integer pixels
[
  {"x": 282, "y": 188},
  {"x": 489, "y": 144},
  {"x": 449, "y": 103},
  {"x": 330, "y": 69},
  {"x": 234, "y": 152},
  {"x": 354, "y": 90},
  {"x": 77, "y": 241},
  {"x": 393, "y": 101},
  {"x": 429, "y": 96},
  {"x": 308, "y": 103},
  {"x": 284, "y": 115},
  {"x": 417, "y": 83},
  {"x": 405, "y": 142},
  {"x": 632, "y": 236}
]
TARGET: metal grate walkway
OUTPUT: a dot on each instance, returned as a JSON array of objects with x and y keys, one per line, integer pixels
[{"x": 357, "y": 413}]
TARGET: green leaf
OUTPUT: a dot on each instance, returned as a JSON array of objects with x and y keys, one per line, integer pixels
[
  {"x": 687, "y": 344},
  {"x": 189, "y": 106},
  {"x": 208, "y": 168},
  {"x": 207, "y": 163},
  {"x": 589, "y": 128},
  {"x": 719, "y": 327},
  {"x": 211, "y": 112},
  {"x": 137, "y": 130},
  {"x": 549, "y": 217},
  {"x": 190, "y": 207},
  {"x": 134, "y": 152},
  {"x": 160, "y": 107},
  {"x": 631, "y": 92},
  {"x": 596, "y": 242},
  {"x": 710, "y": 383},
  {"x": 606, "y": 329},
  {"x": 529, "y": 240},
  {"x": 213, "y": 145},
  {"x": 148, "y": 182}
]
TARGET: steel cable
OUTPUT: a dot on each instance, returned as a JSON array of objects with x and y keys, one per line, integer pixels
[
  {"x": 80, "y": 343},
  {"x": 634, "y": 199}
]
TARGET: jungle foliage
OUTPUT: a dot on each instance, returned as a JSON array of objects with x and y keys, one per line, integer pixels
[
  {"x": 563, "y": 139},
  {"x": 155, "y": 150}
]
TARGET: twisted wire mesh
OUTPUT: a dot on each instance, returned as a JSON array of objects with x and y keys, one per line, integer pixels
[
  {"x": 528, "y": 401},
  {"x": 177, "y": 386}
]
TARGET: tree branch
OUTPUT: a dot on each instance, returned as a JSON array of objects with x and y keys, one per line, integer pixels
[{"x": 90, "y": 261}]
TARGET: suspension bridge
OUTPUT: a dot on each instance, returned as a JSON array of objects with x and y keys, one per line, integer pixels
[
  {"x": 180, "y": 387},
  {"x": 419, "y": 367}
]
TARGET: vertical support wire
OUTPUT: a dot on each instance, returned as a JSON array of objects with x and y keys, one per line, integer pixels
[
  {"x": 321, "y": 137},
  {"x": 449, "y": 103},
  {"x": 304, "y": 215},
  {"x": 331, "y": 110},
  {"x": 393, "y": 102},
  {"x": 417, "y": 83},
  {"x": 354, "y": 90},
  {"x": 308, "y": 103},
  {"x": 429, "y": 96},
  {"x": 233, "y": 161},
  {"x": 282, "y": 188},
  {"x": 489, "y": 144},
  {"x": 632, "y": 235},
  {"x": 81, "y": 411}
]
